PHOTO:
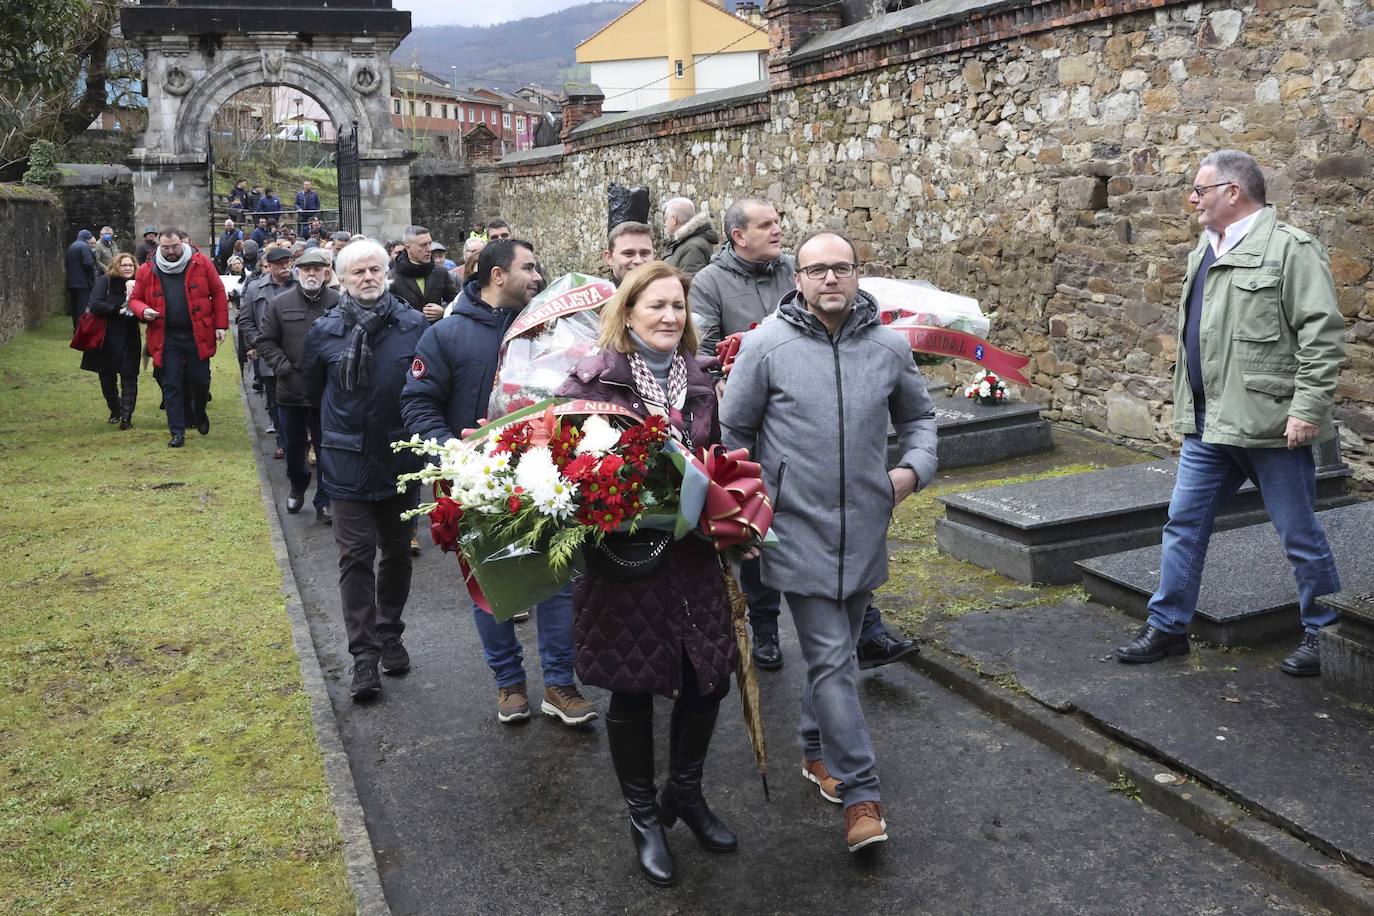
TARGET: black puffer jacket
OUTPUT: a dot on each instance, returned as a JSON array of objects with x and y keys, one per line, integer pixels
[{"x": 357, "y": 427}]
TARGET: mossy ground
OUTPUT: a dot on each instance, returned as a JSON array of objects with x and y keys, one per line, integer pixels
[
  {"x": 156, "y": 748},
  {"x": 926, "y": 587}
]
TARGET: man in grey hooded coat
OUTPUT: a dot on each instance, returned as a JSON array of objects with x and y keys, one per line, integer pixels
[{"x": 810, "y": 396}]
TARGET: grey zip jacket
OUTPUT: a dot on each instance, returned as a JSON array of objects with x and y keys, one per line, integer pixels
[
  {"x": 730, "y": 294},
  {"x": 813, "y": 410}
]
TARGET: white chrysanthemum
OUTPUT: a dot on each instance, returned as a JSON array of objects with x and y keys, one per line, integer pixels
[
  {"x": 536, "y": 470},
  {"x": 555, "y": 499},
  {"x": 984, "y": 389},
  {"x": 598, "y": 437}
]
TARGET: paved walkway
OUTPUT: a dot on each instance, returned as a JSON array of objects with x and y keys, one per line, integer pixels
[{"x": 470, "y": 816}]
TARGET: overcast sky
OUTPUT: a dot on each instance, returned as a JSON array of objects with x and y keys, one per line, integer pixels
[{"x": 447, "y": 12}]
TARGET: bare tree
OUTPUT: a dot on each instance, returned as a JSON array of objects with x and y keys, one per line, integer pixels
[{"x": 62, "y": 62}]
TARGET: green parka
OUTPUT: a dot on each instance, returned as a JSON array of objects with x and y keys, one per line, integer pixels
[{"x": 1271, "y": 338}]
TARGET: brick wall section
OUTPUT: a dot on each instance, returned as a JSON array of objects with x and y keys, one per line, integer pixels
[
  {"x": 441, "y": 201},
  {"x": 33, "y": 225},
  {"x": 1038, "y": 158}
]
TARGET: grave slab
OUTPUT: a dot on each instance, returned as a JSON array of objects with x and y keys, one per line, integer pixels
[
  {"x": 1347, "y": 649},
  {"x": 972, "y": 435},
  {"x": 1227, "y": 718},
  {"x": 1038, "y": 531},
  {"x": 1248, "y": 595}
]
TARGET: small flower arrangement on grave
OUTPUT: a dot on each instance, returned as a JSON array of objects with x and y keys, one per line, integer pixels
[{"x": 987, "y": 389}]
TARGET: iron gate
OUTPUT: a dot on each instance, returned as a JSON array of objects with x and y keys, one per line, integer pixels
[{"x": 346, "y": 164}]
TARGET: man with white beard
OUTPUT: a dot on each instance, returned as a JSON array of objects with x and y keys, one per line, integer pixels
[{"x": 281, "y": 344}]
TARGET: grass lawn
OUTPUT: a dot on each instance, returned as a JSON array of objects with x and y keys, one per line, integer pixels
[{"x": 156, "y": 747}]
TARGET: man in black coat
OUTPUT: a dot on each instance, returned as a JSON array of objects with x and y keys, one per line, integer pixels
[
  {"x": 354, "y": 368},
  {"x": 447, "y": 392},
  {"x": 143, "y": 252},
  {"x": 275, "y": 278},
  {"x": 417, "y": 281},
  {"x": 285, "y": 322},
  {"x": 80, "y": 274}
]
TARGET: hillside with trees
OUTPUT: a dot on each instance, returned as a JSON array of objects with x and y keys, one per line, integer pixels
[{"x": 536, "y": 50}]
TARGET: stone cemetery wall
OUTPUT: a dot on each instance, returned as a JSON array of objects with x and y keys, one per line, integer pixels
[
  {"x": 1042, "y": 168},
  {"x": 34, "y": 286},
  {"x": 102, "y": 195},
  {"x": 441, "y": 201}
]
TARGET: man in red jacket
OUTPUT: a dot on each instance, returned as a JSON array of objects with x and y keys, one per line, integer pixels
[{"x": 181, "y": 297}]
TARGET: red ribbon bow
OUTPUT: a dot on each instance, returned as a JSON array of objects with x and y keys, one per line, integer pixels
[{"x": 737, "y": 509}]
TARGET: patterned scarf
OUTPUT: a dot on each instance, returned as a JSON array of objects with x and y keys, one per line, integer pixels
[
  {"x": 667, "y": 403},
  {"x": 364, "y": 324}
]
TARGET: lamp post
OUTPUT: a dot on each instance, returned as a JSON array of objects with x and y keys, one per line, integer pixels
[{"x": 454, "y": 69}]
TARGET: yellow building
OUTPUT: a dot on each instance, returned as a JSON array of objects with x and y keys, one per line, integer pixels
[{"x": 670, "y": 49}]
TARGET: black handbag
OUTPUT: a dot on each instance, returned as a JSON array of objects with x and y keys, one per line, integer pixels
[{"x": 622, "y": 557}]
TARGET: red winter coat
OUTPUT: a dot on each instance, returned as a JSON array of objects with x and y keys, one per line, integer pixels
[
  {"x": 205, "y": 298},
  {"x": 633, "y": 635}
]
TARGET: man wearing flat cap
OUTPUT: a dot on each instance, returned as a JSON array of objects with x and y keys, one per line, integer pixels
[
  {"x": 281, "y": 345},
  {"x": 275, "y": 278},
  {"x": 144, "y": 250}
]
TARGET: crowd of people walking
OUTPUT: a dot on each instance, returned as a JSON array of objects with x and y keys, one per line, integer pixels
[{"x": 355, "y": 344}]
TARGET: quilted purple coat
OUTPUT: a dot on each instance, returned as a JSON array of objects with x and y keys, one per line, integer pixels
[{"x": 634, "y": 635}]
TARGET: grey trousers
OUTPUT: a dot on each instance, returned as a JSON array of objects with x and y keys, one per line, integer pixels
[{"x": 832, "y": 721}]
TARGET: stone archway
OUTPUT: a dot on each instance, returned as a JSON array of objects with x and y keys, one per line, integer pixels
[{"x": 200, "y": 53}]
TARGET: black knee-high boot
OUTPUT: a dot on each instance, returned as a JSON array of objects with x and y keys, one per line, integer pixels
[
  {"x": 688, "y": 742},
  {"x": 632, "y": 753}
]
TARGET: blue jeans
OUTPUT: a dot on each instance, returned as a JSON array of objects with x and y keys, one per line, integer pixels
[
  {"x": 1208, "y": 476},
  {"x": 503, "y": 652}
]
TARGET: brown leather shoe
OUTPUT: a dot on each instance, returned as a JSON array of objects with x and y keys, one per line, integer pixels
[
  {"x": 414, "y": 547},
  {"x": 864, "y": 825},
  {"x": 512, "y": 703},
  {"x": 829, "y": 786},
  {"x": 567, "y": 704}
]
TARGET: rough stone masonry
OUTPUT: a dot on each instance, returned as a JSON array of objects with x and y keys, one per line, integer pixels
[{"x": 1042, "y": 169}]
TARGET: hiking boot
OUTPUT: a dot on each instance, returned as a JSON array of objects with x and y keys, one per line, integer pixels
[
  {"x": 1306, "y": 660},
  {"x": 567, "y": 704},
  {"x": 512, "y": 703},
  {"x": 395, "y": 658},
  {"x": 366, "y": 683},
  {"x": 884, "y": 649},
  {"x": 864, "y": 825},
  {"x": 829, "y": 786}
]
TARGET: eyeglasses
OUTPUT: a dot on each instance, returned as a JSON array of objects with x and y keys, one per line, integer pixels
[
  {"x": 1200, "y": 191},
  {"x": 843, "y": 270}
]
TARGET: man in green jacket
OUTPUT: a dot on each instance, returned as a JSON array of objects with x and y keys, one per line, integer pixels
[{"x": 1260, "y": 349}]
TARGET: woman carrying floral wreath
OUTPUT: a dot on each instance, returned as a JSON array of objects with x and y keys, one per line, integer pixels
[{"x": 651, "y": 613}]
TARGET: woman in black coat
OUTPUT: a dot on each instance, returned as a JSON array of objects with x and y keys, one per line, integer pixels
[
  {"x": 667, "y": 631},
  {"x": 116, "y": 360}
]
